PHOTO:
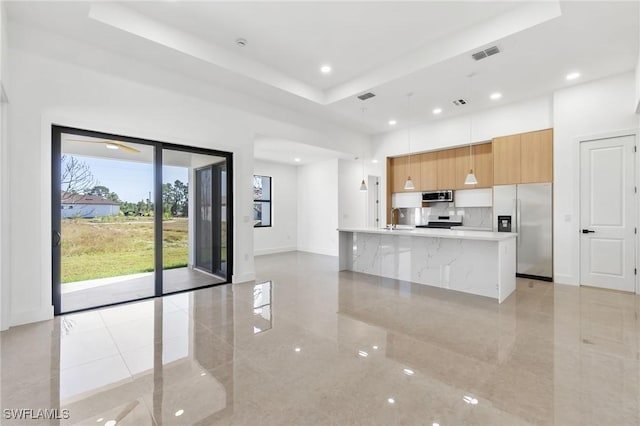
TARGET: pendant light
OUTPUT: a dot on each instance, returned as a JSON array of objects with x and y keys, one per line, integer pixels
[
  {"x": 471, "y": 177},
  {"x": 363, "y": 185},
  {"x": 408, "y": 185}
]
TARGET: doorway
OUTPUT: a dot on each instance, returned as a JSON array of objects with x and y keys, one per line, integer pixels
[
  {"x": 608, "y": 213},
  {"x": 128, "y": 219}
]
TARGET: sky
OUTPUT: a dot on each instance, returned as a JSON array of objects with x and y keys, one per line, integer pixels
[{"x": 132, "y": 181}]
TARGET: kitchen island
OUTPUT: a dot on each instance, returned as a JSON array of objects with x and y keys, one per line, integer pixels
[{"x": 476, "y": 262}]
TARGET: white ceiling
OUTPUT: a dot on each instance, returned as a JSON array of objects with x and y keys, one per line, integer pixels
[
  {"x": 389, "y": 48},
  {"x": 286, "y": 151}
]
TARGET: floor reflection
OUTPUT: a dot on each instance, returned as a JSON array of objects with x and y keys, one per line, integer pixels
[{"x": 318, "y": 346}]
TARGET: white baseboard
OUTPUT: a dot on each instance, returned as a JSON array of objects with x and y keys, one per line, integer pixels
[
  {"x": 26, "y": 317},
  {"x": 565, "y": 279},
  {"x": 274, "y": 250},
  {"x": 243, "y": 278},
  {"x": 316, "y": 251}
]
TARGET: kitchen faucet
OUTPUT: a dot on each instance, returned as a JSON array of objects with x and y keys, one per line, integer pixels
[{"x": 393, "y": 223}]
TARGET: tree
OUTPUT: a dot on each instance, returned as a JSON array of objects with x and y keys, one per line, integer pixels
[
  {"x": 76, "y": 177},
  {"x": 181, "y": 197},
  {"x": 175, "y": 199},
  {"x": 104, "y": 192}
]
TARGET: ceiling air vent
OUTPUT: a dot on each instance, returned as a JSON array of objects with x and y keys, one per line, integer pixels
[
  {"x": 490, "y": 51},
  {"x": 366, "y": 96},
  {"x": 459, "y": 102}
]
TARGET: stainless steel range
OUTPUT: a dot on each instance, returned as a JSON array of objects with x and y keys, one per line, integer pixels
[{"x": 442, "y": 222}]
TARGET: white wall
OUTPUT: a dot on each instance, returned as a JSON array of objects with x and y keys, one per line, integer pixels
[
  {"x": 318, "y": 207},
  {"x": 580, "y": 112},
  {"x": 352, "y": 203},
  {"x": 283, "y": 234},
  {"x": 5, "y": 294},
  {"x": 78, "y": 97}
]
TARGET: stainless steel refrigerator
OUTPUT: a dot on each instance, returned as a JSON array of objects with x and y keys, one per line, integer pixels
[{"x": 527, "y": 210}]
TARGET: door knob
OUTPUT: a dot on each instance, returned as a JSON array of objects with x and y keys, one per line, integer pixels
[{"x": 588, "y": 231}]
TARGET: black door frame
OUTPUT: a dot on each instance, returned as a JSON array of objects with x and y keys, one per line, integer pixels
[{"x": 56, "y": 216}]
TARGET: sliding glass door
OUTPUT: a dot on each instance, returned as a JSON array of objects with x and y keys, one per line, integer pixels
[
  {"x": 192, "y": 219},
  {"x": 133, "y": 219}
]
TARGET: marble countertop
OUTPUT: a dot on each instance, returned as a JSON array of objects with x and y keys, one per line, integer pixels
[{"x": 437, "y": 233}]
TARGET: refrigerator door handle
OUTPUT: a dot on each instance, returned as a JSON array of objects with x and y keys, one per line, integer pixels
[{"x": 518, "y": 215}]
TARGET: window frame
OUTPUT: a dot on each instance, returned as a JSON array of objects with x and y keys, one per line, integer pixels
[{"x": 270, "y": 201}]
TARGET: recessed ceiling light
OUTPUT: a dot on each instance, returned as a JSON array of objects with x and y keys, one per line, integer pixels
[
  {"x": 242, "y": 42},
  {"x": 495, "y": 96},
  {"x": 573, "y": 75},
  {"x": 179, "y": 413},
  {"x": 408, "y": 372},
  {"x": 363, "y": 354},
  {"x": 391, "y": 401},
  {"x": 297, "y": 349},
  {"x": 393, "y": 122},
  {"x": 297, "y": 160},
  {"x": 437, "y": 110},
  {"x": 374, "y": 161},
  {"x": 325, "y": 69}
]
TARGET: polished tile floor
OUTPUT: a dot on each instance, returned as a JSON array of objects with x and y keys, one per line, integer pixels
[
  {"x": 107, "y": 291},
  {"x": 307, "y": 345}
]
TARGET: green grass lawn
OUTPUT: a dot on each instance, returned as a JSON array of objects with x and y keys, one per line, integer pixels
[{"x": 99, "y": 248}]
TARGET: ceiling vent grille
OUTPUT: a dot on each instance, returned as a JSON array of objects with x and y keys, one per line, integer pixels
[
  {"x": 490, "y": 51},
  {"x": 459, "y": 102},
  {"x": 366, "y": 96}
]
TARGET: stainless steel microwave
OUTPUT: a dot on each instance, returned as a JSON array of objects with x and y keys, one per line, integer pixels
[{"x": 437, "y": 196}]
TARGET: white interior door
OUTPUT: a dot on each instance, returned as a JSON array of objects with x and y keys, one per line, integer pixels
[{"x": 607, "y": 213}]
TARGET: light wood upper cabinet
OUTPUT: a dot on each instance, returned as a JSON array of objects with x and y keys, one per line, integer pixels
[
  {"x": 521, "y": 158},
  {"x": 403, "y": 168},
  {"x": 506, "y": 160},
  {"x": 400, "y": 167},
  {"x": 483, "y": 165},
  {"x": 463, "y": 161},
  {"x": 428, "y": 171},
  {"x": 536, "y": 155},
  {"x": 415, "y": 171},
  {"x": 446, "y": 168}
]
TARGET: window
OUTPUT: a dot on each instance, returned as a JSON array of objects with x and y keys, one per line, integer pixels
[{"x": 261, "y": 201}]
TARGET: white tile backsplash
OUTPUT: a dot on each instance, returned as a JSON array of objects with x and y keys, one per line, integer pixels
[{"x": 471, "y": 216}]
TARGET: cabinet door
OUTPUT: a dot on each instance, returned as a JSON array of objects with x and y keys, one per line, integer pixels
[
  {"x": 537, "y": 156},
  {"x": 463, "y": 163},
  {"x": 400, "y": 171},
  {"x": 415, "y": 171},
  {"x": 429, "y": 171},
  {"x": 446, "y": 167},
  {"x": 506, "y": 160},
  {"x": 483, "y": 165}
]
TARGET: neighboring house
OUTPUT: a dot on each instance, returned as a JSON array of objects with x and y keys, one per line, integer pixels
[{"x": 78, "y": 205}]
